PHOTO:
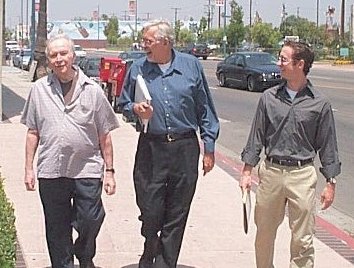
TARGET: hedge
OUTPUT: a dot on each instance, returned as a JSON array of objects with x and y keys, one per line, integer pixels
[{"x": 7, "y": 231}]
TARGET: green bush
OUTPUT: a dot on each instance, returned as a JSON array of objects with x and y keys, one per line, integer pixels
[{"x": 7, "y": 231}]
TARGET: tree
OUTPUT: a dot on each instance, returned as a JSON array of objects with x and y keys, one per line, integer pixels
[
  {"x": 264, "y": 35},
  {"x": 186, "y": 36},
  {"x": 236, "y": 29},
  {"x": 305, "y": 29},
  {"x": 39, "y": 50},
  {"x": 111, "y": 31},
  {"x": 202, "y": 26}
]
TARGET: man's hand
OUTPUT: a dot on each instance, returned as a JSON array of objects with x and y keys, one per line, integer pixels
[
  {"x": 208, "y": 162},
  {"x": 327, "y": 195},
  {"x": 246, "y": 179},
  {"x": 109, "y": 183},
  {"x": 30, "y": 180},
  {"x": 143, "y": 110}
]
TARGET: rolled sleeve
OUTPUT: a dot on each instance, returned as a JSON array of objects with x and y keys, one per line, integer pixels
[{"x": 255, "y": 143}]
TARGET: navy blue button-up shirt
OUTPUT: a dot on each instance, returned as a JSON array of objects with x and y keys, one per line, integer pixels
[{"x": 180, "y": 97}]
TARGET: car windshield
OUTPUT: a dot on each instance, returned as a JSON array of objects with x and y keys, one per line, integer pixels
[{"x": 259, "y": 59}]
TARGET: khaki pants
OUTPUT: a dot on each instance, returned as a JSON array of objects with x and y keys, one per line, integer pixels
[{"x": 280, "y": 186}]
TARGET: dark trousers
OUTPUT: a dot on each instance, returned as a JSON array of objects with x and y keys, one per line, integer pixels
[
  {"x": 165, "y": 178},
  {"x": 69, "y": 203}
]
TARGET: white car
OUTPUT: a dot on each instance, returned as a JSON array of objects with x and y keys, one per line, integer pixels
[
  {"x": 79, "y": 52},
  {"x": 12, "y": 46}
]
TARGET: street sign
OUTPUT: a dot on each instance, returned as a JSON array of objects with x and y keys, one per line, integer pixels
[{"x": 219, "y": 3}]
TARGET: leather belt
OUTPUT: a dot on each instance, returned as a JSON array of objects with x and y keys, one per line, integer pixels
[
  {"x": 170, "y": 137},
  {"x": 289, "y": 162}
]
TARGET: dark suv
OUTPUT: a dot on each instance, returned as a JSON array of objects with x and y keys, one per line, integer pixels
[{"x": 198, "y": 50}]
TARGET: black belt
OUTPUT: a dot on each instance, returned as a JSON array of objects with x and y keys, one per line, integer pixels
[
  {"x": 289, "y": 162},
  {"x": 170, "y": 137}
]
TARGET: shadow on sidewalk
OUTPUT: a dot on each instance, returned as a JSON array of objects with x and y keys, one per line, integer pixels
[
  {"x": 12, "y": 103},
  {"x": 136, "y": 266}
]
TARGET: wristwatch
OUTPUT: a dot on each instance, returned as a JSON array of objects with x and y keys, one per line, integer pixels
[
  {"x": 331, "y": 180},
  {"x": 110, "y": 170}
]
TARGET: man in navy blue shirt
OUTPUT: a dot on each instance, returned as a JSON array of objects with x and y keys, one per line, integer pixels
[{"x": 166, "y": 161}]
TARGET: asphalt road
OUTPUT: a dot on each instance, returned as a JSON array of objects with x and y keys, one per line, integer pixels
[{"x": 236, "y": 109}]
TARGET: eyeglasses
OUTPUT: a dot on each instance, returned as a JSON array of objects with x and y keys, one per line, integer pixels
[
  {"x": 148, "y": 42},
  {"x": 284, "y": 61}
]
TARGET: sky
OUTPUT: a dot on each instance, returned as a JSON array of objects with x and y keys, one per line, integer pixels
[{"x": 269, "y": 10}]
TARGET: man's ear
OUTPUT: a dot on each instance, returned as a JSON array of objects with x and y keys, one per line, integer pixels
[{"x": 301, "y": 64}]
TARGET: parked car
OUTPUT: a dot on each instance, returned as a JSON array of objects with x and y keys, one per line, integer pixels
[
  {"x": 13, "y": 46},
  {"x": 131, "y": 55},
  {"x": 91, "y": 67},
  {"x": 255, "y": 71},
  {"x": 22, "y": 59},
  {"x": 198, "y": 50},
  {"x": 79, "y": 51}
]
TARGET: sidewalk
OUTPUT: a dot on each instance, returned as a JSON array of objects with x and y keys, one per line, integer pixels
[{"x": 214, "y": 235}]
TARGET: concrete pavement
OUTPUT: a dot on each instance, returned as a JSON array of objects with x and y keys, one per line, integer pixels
[{"x": 214, "y": 235}]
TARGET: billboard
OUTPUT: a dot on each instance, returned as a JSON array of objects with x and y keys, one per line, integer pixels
[{"x": 78, "y": 30}]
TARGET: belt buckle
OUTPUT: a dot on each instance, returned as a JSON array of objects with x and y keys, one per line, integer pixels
[{"x": 169, "y": 137}]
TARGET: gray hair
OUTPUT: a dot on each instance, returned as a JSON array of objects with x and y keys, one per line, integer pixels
[
  {"x": 164, "y": 29},
  {"x": 57, "y": 37}
]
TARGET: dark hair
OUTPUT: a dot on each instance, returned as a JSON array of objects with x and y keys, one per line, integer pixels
[{"x": 302, "y": 51}]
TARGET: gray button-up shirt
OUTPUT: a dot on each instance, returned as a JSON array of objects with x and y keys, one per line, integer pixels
[
  {"x": 295, "y": 129},
  {"x": 69, "y": 134},
  {"x": 180, "y": 97}
]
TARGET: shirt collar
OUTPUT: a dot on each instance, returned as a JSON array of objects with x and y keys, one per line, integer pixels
[
  {"x": 82, "y": 79},
  {"x": 176, "y": 64},
  {"x": 308, "y": 91}
]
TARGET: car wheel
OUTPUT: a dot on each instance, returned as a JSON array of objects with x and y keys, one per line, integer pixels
[
  {"x": 222, "y": 80},
  {"x": 205, "y": 57},
  {"x": 251, "y": 84}
]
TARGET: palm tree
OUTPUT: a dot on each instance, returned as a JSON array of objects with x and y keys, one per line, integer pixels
[{"x": 39, "y": 50}]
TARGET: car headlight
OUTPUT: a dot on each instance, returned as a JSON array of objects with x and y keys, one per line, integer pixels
[{"x": 268, "y": 76}]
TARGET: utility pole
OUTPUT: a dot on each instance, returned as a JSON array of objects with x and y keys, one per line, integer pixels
[
  {"x": 224, "y": 39},
  {"x": 250, "y": 13},
  {"x": 33, "y": 27},
  {"x": 298, "y": 12},
  {"x": 317, "y": 15},
  {"x": 176, "y": 13},
  {"x": 342, "y": 20},
  {"x": 136, "y": 21},
  {"x": 148, "y": 15},
  {"x": 21, "y": 23},
  {"x": 209, "y": 13},
  {"x": 98, "y": 26},
  {"x": 125, "y": 14}
]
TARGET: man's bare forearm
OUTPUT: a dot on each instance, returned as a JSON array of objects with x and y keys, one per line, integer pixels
[{"x": 32, "y": 140}]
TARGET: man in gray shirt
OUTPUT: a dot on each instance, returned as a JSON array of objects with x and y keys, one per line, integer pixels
[
  {"x": 293, "y": 122},
  {"x": 69, "y": 120}
]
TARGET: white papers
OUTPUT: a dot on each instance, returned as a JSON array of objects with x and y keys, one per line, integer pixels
[
  {"x": 246, "y": 201},
  {"x": 142, "y": 94}
]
